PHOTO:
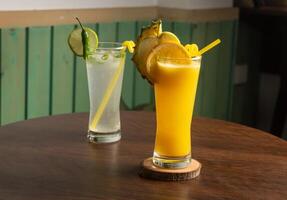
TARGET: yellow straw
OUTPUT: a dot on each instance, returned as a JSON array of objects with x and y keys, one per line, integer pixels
[
  {"x": 208, "y": 47},
  {"x": 130, "y": 45},
  {"x": 107, "y": 95}
]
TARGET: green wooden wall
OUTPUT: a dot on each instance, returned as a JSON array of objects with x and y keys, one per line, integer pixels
[{"x": 40, "y": 76}]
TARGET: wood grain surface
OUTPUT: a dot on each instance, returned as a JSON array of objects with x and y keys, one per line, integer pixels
[{"x": 49, "y": 158}]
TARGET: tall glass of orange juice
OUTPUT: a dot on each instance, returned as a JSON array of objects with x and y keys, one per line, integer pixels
[{"x": 175, "y": 90}]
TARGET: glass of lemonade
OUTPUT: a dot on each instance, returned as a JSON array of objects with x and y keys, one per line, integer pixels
[
  {"x": 175, "y": 91},
  {"x": 101, "y": 67}
]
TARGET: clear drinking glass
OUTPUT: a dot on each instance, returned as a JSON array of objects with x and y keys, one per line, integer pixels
[
  {"x": 101, "y": 68},
  {"x": 175, "y": 90}
]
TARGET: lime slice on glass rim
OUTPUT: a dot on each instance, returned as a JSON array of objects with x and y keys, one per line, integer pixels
[{"x": 75, "y": 41}]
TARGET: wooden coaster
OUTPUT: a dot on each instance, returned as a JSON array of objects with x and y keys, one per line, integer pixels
[{"x": 150, "y": 171}]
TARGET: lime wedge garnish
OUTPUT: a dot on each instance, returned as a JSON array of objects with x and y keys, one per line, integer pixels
[{"x": 75, "y": 41}]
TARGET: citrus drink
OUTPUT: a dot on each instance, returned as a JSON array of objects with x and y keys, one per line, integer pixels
[
  {"x": 175, "y": 90},
  {"x": 173, "y": 69},
  {"x": 101, "y": 68}
]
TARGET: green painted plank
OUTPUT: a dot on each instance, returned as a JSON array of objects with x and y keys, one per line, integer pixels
[
  {"x": 209, "y": 72},
  {"x": 199, "y": 38},
  {"x": 13, "y": 71},
  {"x": 62, "y": 71},
  {"x": 81, "y": 86},
  {"x": 224, "y": 76},
  {"x": 107, "y": 32},
  {"x": 142, "y": 93},
  {"x": 38, "y": 71},
  {"x": 127, "y": 31},
  {"x": 81, "y": 82},
  {"x": 183, "y": 31},
  {"x": 167, "y": 26}
]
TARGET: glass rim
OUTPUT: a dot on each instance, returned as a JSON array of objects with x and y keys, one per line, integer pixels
[
  {"x": 109, "y": 46},
  {"x": 196, "y": 58}
]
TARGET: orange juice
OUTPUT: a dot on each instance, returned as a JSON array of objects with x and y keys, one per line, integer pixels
[{"x": 175, "y": 90}]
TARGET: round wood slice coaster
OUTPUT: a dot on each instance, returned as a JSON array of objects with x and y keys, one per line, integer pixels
[{"x": 150, "y": 171}]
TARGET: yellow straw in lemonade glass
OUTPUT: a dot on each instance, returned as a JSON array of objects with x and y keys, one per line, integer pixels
[
  {"x": 111, "y": 86},
  {"x": 208, "y": 47},
  {"x": 193, "y": 49}
]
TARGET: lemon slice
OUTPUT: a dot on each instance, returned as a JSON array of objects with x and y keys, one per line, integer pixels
[
  {"x": 75, "y": 41},
  {"x": 168, "y": 37},
  {"x": 166, "y": 50}
]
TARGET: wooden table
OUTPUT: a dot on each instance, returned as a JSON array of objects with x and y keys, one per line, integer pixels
[{"x": 49, "y": 158}]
